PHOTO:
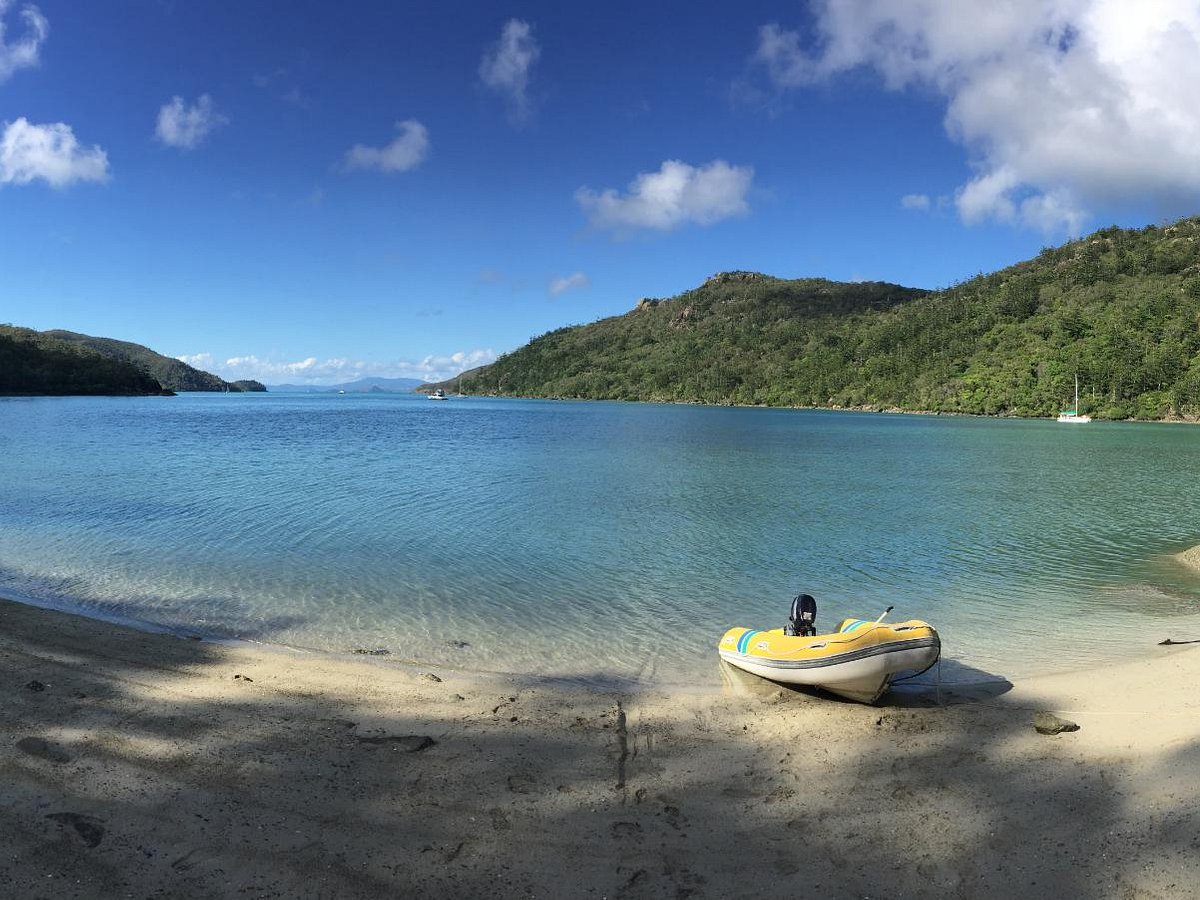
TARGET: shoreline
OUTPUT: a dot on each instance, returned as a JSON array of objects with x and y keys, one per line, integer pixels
[
  {"x": 138, "y": 762},
  {"x": 356, "y": 655},
  {"x": 871, "y": 408},
  {"x": 963, "y": 672},
  {"x": 1189, "y": 558}
]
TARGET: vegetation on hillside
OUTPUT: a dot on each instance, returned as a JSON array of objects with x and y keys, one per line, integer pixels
[
  {"x": 32, "y": 362},
  {"x": 171, "y": 373},
  {"x": 1120, "y": 308}
]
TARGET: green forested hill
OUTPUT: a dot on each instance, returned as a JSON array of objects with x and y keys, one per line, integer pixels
[
  {"x": 34, "y": 363},
  {"x": 1121, "y": 308},
  {"x": 171, "y": 373}
]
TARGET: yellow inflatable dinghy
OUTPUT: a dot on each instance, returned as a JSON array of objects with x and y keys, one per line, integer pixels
[{"x": 857, "y": 661}]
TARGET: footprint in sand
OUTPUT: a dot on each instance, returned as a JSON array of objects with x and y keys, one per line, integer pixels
[
  {"x": 194, "y": 857},
  {"x": 43, "y": 749},
  {"x": 404, "y": 743},
  {"x": 89, "y": 829},
  {"x": 522, "y": 783}
]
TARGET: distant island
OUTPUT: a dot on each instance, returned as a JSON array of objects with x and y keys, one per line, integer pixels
[
  {"x": 1119, "y": 308},
  {"x": 63, "y": 362}
]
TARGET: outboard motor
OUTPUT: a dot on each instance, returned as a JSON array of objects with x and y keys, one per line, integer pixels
[{"x": 802, "y": 622}]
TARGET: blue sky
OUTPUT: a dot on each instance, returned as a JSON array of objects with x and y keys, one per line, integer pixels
[{"x": 409, "y": 189}]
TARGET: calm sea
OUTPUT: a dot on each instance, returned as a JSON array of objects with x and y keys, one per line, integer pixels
[{"x": 596, "y": 540}]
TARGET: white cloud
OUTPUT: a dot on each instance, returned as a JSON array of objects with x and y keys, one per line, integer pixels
[
  {"x": 187, "y": 126},
  {"x": 253, "y": 367},
  {"x": 677, "y": 193},
  {"x": 312, "y": 370},
  {"x": 48, "y": 152},
  {"x": 406, "y": 152},
  {"x": 1063, "y": 105},
  {"x": 505, "y": 66},
  {"x": 571, "y": 282},
  {"x": 23, "y": 53},
  {"x": 434, "y": 368},
  {"x": 787, "y": 63},
  {"x": 203, "y": 361},
  {"x": 915, "y": 201}
]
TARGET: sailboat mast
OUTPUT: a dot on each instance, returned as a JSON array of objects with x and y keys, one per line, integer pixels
[{"x": 1076, "y": 393}]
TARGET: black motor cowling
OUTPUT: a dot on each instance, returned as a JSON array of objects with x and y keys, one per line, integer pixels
[{"x": 802, "y": 622}]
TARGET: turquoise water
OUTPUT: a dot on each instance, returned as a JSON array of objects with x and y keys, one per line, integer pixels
[{"x": 596, "y": 540}]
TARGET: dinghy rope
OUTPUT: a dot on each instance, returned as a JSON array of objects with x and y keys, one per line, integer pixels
[{"x": 937, "y": 659}]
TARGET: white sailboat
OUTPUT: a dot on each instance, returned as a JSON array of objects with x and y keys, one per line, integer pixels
[{"x": 1072, "y": 415}]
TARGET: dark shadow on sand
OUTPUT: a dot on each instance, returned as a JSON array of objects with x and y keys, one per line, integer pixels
[{"x": 234, "y": 791}]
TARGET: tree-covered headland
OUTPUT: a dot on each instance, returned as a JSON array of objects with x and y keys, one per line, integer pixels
[
  {"x": 64, "y": 362},
  {"x": 34, "y": 363},
  {"x": 171, "y": 373},
  {"x": 1120, "y": 308}
]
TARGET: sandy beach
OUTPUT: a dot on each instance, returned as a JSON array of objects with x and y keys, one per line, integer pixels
[
  {"x": 1190, "y": 557},
  {"x": 139, "y": 764}
]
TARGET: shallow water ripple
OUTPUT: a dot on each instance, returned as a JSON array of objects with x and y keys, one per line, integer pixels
[{"x": 582, "y": 538}]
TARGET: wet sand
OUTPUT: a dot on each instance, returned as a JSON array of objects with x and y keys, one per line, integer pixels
[
  {"x": 138, "y": 764},
  {"x": 1190, "y": 557}
]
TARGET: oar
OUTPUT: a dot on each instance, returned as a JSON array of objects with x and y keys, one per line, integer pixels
[{"x": 884, "y": 613}]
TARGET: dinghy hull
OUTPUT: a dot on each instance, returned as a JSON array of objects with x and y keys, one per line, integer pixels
[{"x": 858, "y": 663}]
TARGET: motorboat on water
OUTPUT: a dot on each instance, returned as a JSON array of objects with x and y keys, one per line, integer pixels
[
  {"x": 437, "y": 394},
  {"x": 857, "y": 661}
]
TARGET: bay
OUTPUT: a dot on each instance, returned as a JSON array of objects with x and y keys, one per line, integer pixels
[{"x": 596, "y": 540}]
